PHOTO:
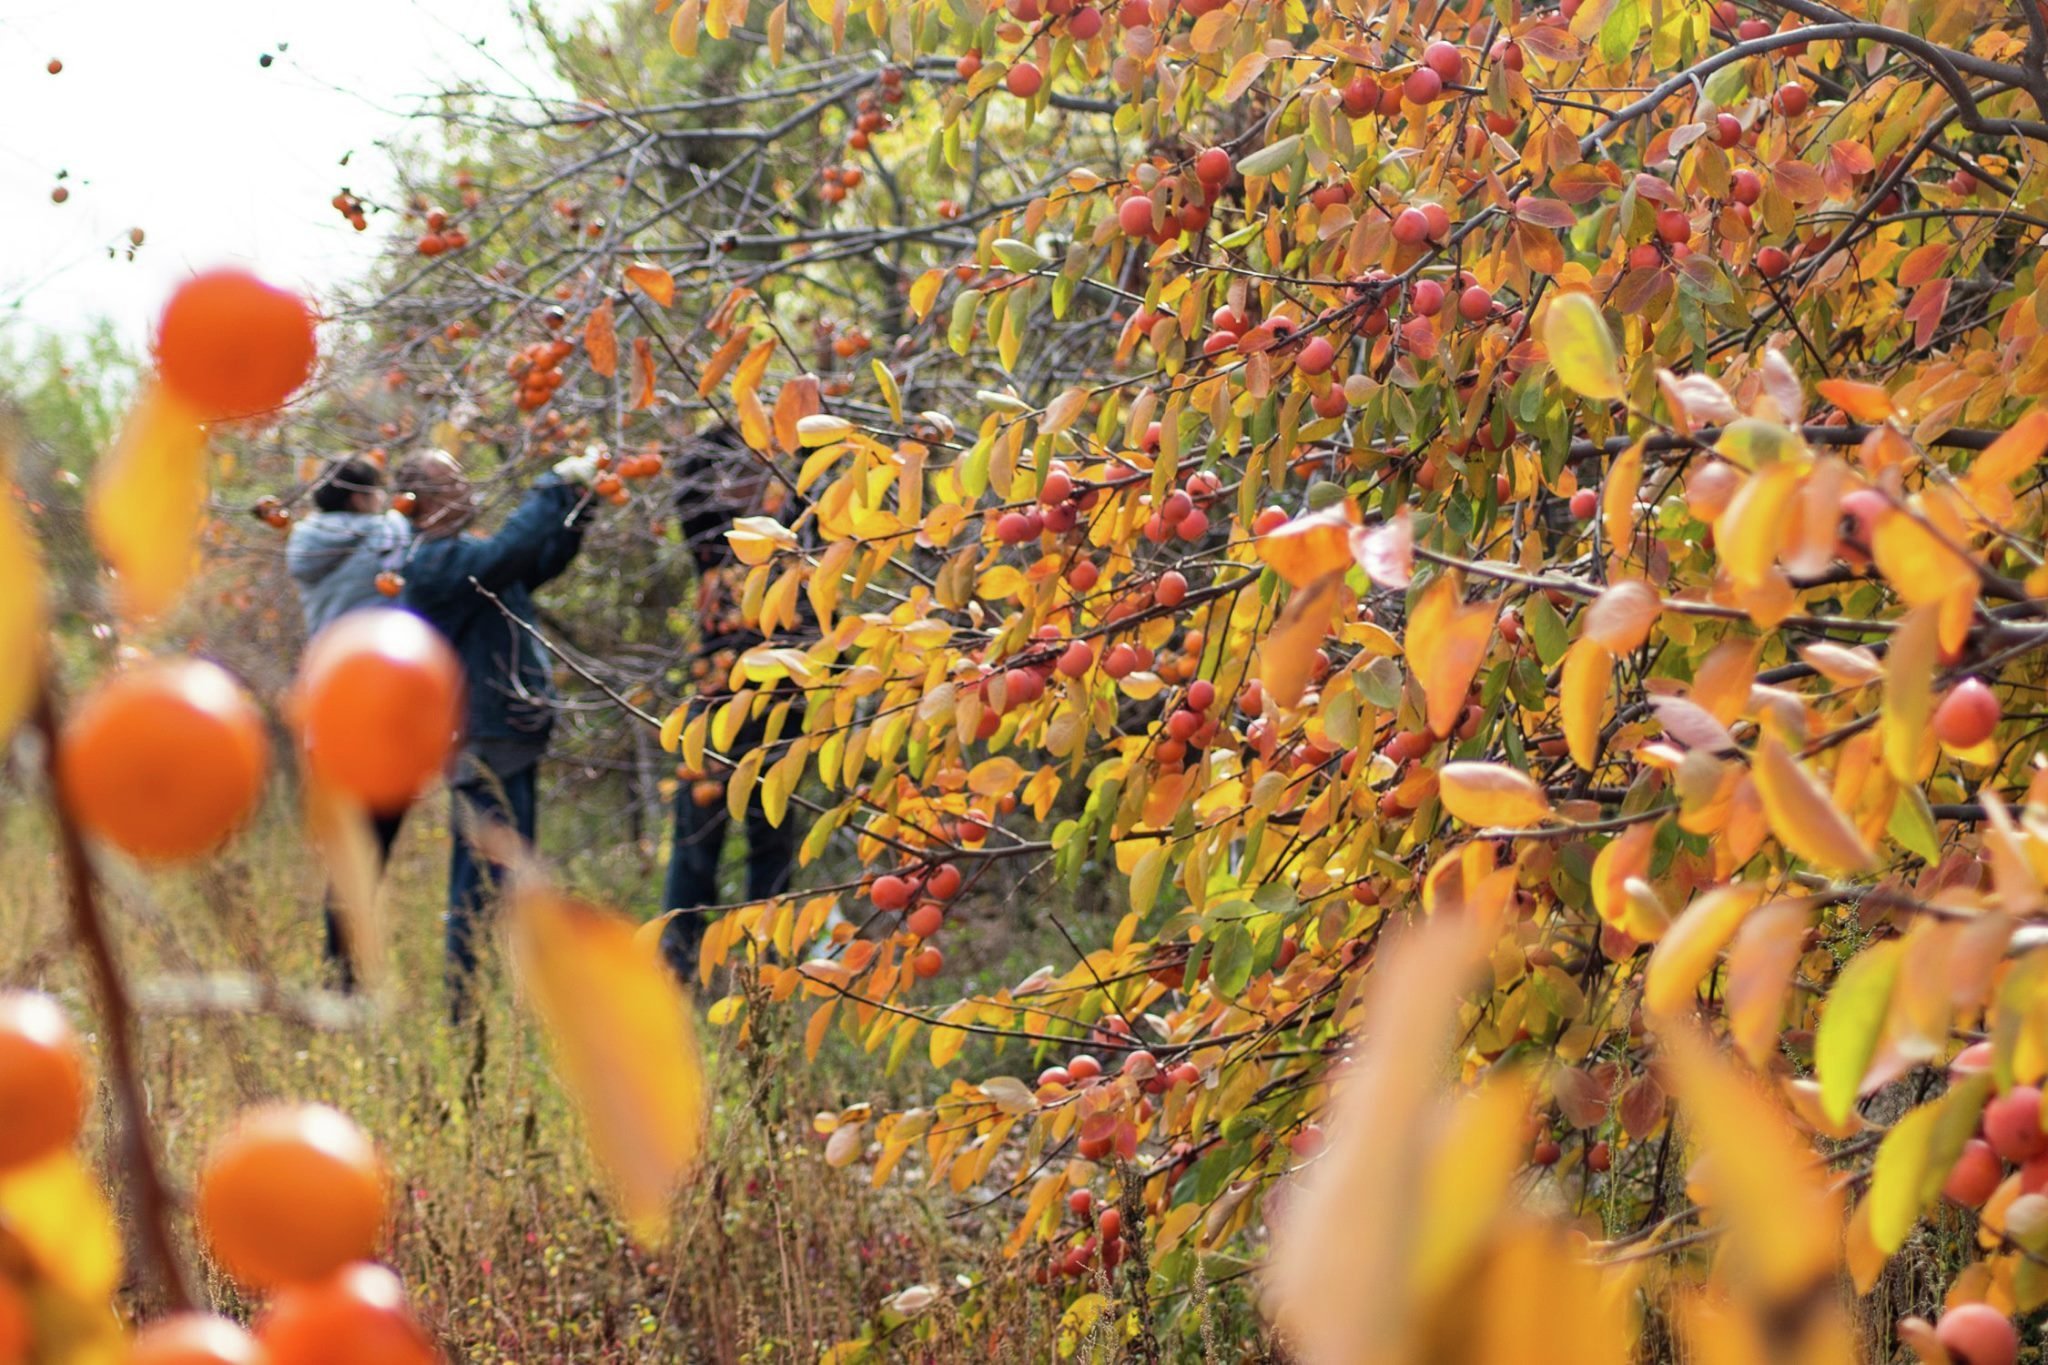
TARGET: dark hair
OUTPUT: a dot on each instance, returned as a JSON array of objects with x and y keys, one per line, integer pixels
[{"x": 352, "y": 476}]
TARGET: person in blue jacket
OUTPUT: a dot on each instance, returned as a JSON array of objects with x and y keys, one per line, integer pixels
[
  {"x": 334, "y": 556},
  {"x": 477, "y": 590}
]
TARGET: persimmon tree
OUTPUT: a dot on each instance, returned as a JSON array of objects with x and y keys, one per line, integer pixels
[{"x": 1514, "y": 536}]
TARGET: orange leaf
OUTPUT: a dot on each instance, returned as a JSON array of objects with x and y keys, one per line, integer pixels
[
  {"x": 1621, "y": 617},
  {"x": 1311, "y": 546},
  {"x": 1909, "y": 695},
  {"x": 653, "y": 281},
  {"x": 1287, "y": 656},
  {"x": 623, "y": 1040},
  {"x": 22, "y": 612},
  {"x": 722, "y": 360},
  {"x": 601, "y": 341},
  {"x": 1446, "y": 639},
  {"x": 796, "y": 400},
  {"x": 1492, "y": 794},
  {"x": 1862, "y": 402},
  {"x": 147, "y": 500},
  {"x": 643, "y": 361},
  {"x": 1800, "y": 813},
  {"x": 1922, "y": 264}
]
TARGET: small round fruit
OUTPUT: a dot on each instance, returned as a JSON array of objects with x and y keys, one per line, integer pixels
[
  {"x": 355, "y": 1317},
  {"x": 943, "y": 882},
  {"x": 890, "y": 892},
  {"x": 1422, "y": 86},
  {"x": 1975, "y": 1176},
  {"x": 1673, "y": 226},
  {"x": 2012, "y": 1124},
  {"x": 928, "y": 962},
  {"x": 295, "y": 1193},
  {"x": 926, "y": 921},
  {"x": 165, "y": 761},
  {"x": 1445, "y": 60},
  {"x": 195, "y": 1339},
  {"x": 1745, "y": 187},
  {"x": 231, "y": 345},
  {"x": 1317, "y": 356},
  {"x": 1545, "y": 1153},
  {"x": 1171, "y": 589},
  {"x": 1023, "y": 80},
  {"x": 42, "y": 1079},
  {"x": 1426, "y": 298},
  {"x": 1791, "y": 100},
  {"x": 1978, "y": 1334},
  {"x": 1475, "y": 304},
  {"x": 1411, "y": 227},
  {"x": 1599, "y": 1158},
  {"x": 1134, "y": 216},
  {"x": 1727, "y": 130},
  {"x": 378, "y": 705},
  {"x": 1213, "y": 166},
  {"x": 1084, "y": 1067},
  {"x": 1585, "y": 503},
  {"x": 1968, "y": 715},
  {"x": 1772, "y": 262}
]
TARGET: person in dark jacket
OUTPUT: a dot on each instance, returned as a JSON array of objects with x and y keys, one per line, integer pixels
[
  {"x": 477, "y": 591},
  {"x": 334, "y": 556},
  {"x": 719, "y": 480}
]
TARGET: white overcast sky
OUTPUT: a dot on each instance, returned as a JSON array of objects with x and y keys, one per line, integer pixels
[{"x": 165, "y": 120}]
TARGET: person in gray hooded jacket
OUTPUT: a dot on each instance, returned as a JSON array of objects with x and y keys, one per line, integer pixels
[{"x": 334, "y": 555}]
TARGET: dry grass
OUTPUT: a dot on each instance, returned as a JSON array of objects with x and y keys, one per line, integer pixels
[{"x": 500, "y": 1234}]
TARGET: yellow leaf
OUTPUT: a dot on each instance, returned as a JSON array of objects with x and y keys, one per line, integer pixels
[
  {"x": 924, "y": 291},
  {"x": 998, "y": 776},
  {"x": 600, "y": 340},
  {"x": 1915, "y": 1157},
  {"x": 1540, "y": 1302},
  {"x": 22, "y": 613},
  {"x": 1311, "y": 546},
  {"x": 1908, "y": 710},
  {"x": 1918, "y": 565},
  {"x": 1619, "y": 890},
  {"x": 755, "y": 540},
  {"x": 54, "y": 1212},
  {"x": 653, "y": 281},
  {"x": 1801, "y": 815},
  {"x": 1582, "y": 698},
  {"x": 778, "y": 33},
  {"x": 1471, "y": 1169},
  {"x": 1686, "y": 953},
  {"x": 1770, "y": 1189},
  {"x": 1580, "y": 347},
  {"x": 1287, "y": 655},
  {"x": 1618, "y": 502},
  {"x": 682, "y": 27},
  {"x": 340, "y": 828},
  {"x": 1446, "y": 639},
  {"x": 147, "y": 499},
  {"x": 1492, "y": 794},
  {"x": 1752, "y": 530},
  {"x": 622, "y": 1037},
  {"x": 822, "y": 428}
]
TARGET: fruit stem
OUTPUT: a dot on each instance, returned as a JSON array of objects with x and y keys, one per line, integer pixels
[{"x": 117, "y": 1013}]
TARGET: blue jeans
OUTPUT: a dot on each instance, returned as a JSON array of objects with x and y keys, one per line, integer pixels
[
  {"x": 482, "y": 794},
  {"x": 694, "y": 854}
]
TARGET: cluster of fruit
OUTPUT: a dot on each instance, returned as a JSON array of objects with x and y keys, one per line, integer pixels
[
  {"x": 351, "y": 208},
  {"x": 441, "y": 234},
  {"x": 838, "y": 180},
  {"x": 920, "y": 895},
  {"x": 537, "y": 369},
  {"x": 1160, "y": 207},
  {"x": 869, "y": 117},
  {"x": 291, "y": 1203}
]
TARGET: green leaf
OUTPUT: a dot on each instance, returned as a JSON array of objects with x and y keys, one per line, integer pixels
[
  {"x": 1581, "y": 349},
  {"x": 1915, "y": 1158},
  {"x": 1848, "y": 1033},
  {"x": 1912, "y": 824},
  {"x": 961, "y": 330},
  {"x": 1271, "y": 157},
  {"x": 1020, "y": 255},
  {"x": 1546, "y": 628},
  {"x": 1230, "y": 961}
]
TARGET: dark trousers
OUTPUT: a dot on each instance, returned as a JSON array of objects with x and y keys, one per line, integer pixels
[
  {"x": 341, "y": 967},
  {"x": 482, "y": 795},
  {"x": 693, "y": 861}
]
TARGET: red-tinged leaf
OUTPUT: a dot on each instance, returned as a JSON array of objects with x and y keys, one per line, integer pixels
[
  {"x": 1547, "y": 213},
  {"x": 1853, "y": 157},
  {"x": 797, "y": 399},
  {"x": 643, "y": 364},
  {"x": 623, "y": 1039},
  {"x": 1922, "y": 264},
  {"x": 1930, "y": 301},
  {"x": 1551, "y": 43},
  {"x": 653, "y": 281},
  {"x": 147, "y": 500},
  {"x": 1859, "y": 401},
  {"x": 1797, "y": 181},
  {"x": 1657, "y": 191},
  {"x": 1584, "y": 182},
  {"x": 1539, "y": 248},
  {"x": 600, "y": 340},
  {"x": 1621, "y": 616},
  {"x": 1642, "y": 1106},
  {"x": 1387, "y": 552}
]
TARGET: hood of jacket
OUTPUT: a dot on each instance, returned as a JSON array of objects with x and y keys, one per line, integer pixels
[{"x": 322, "y": 542}]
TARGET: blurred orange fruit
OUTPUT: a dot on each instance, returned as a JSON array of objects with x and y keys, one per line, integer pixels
[
  {"x": 231, "y": 345},
  {"x": 195, "y": 1339},
  {"x": 293, "y": 1194},
  {"x": 358, "y": 1316},
  {"x": 42, "y": 1080},
  {"x": 378, "y": 704}
]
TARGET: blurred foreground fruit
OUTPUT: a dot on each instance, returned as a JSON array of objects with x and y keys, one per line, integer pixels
[
  {"x": 293, "y": 1194},
  {"x": 42, "y": 1080},
  {"x": 231, "y": 345},
  {"x": 357, "y": 1316},
  {"x": 378, "y": 704},
  {"x": 164, "y": 761},
  {"x": 195, "y": 1339}
]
